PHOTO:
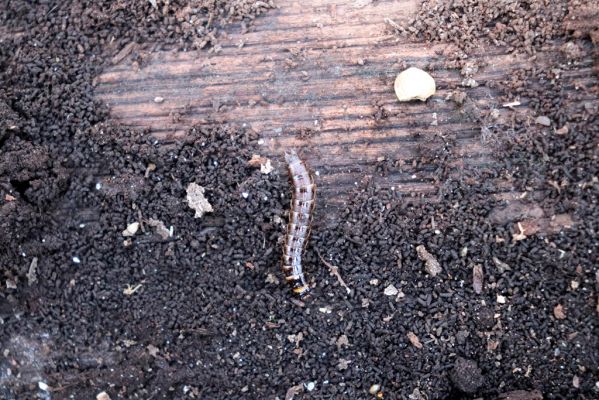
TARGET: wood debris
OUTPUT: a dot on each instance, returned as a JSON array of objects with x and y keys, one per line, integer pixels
[
  {"x": 197, "y": 201},
  {"x": 343, "y": 364},
  {"x": 477, "y": 278},
  {"x": 129, "y": 290},
  {"x": 293, "y": 390},
  {"x": 32, "y": 273},
  {"x": 414, "y": 340},
  {"x": 263, "y": 163},
  {"x": 431, "y": 265},
  {"x": 153, "y": 350},
  {"x": 558, "y": 312},
  {"x": 334, "y": 271},
  {"x": 520, "y": 235},
  {"x": 342, "y": 341},
  {"x": 501, "y": 266},
  {"x": 159, "y": 228}
]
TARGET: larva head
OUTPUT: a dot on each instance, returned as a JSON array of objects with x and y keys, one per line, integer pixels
[{"x": 291, "y": 156}]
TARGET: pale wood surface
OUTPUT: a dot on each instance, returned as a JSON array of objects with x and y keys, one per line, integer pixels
[{"x": 321, "y": 66}]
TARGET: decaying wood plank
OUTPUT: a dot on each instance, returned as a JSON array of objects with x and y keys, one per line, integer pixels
[{"x": 318, "y": 75}]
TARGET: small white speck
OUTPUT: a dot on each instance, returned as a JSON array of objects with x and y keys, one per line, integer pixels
[
  {"x": 215, "y": 163},
  {"x": 413, "y": 176},
  {"x": 317, "y": 173},
  {"x": 310, "y": 386},
  {"x": 265, "y": 198},
  {"x": 76, "y": 260},
  {"x": 261, "y": 141},
  {"x": 245, "y": 195},
  {"x": 158, "y": 99},
  {"x": 392, "y": 187},
  {"x": 81, "y": 225},
  {"x": 43, "y": 386},
  {"x": 98, "y": 186},
  {"x": 501, "y": 299}
]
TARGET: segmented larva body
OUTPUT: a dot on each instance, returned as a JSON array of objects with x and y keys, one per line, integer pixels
[{"x": 300, "y": 218}]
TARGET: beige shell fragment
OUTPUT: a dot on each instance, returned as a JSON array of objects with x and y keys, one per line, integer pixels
[
  {"x": 197, "y": 201},
  {"x": 414, "y": 84}
]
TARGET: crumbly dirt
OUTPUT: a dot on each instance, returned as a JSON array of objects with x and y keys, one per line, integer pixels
[{"x": 201, "y": 311}]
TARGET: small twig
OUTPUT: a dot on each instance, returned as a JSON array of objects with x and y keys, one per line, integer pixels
[{"x": 333, "y": 270}]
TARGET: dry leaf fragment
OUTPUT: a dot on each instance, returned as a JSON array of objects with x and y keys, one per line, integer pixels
[
  {"x": 477, "y": 278},
  {"x": 414, "y": 340},
  {"x": 131, "y": 229},
  {"x": 431, "y": 265},
  {"x": 558, "y": 312},
  {"x": 197, "y": 201}
]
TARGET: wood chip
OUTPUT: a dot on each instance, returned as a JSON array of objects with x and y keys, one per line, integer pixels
[
  {"x": 125, "y": 51},
  {"x": 342, "y": 341},
  {"x": 501, "y": 266},
  {"x": 32, "y": 273},
  {"x": 129, "y": 290},
  {"x": 343, "y": 364},
  {"x": 271, "y": 278},
  {"x": 431, "y": 265},
  {"x": 558, "y": 312},
  {"x": 197, "y": 201},
  {"x": 333, "y": 270},
  {"x": 159, "y": 228},
  {"x": 520, "y": 235},
  {"x": 477, "y": 278},
  {"x": 414, "y": 340},
  {"x": 153, "y": 350},
  {"x": 293, "y": 390}
]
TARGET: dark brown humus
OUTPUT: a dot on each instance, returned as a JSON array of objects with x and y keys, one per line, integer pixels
[{"x": 300, "y": 218}]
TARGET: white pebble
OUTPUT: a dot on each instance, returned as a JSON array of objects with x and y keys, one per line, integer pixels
[
  {"x": 76, "y": 260},
  {"x": 98, "y": 186},
  {"x": 310, "y": 386},
  {"x": 374, "y": 389},
  {"x": 245, "y": 195},
  {"x": 501, "y": 299},
  {"x": 43, "y": 386},
  {"x": 414, "y": 84},
  {"x": 158, "y": 99}
]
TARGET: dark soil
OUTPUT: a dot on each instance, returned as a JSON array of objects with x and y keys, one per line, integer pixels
[{"x": 204, "y": 313}]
